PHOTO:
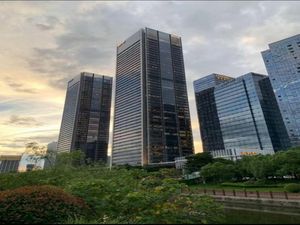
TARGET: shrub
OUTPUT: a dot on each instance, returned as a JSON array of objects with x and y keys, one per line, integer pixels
[
  {"x": 247, "y": 185},
  {"x": 123, "y": 197},
  {"x": 39, "y": 204},
  {"x": 294, "y": 188}
]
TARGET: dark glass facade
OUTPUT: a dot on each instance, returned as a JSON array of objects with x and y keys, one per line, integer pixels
[
  {"x": 86, "y": 117},
  {"x": 161, "y": 127},
  {"x": 209, "y": 123},
  {"x": 9, "y": 163},
  {"x": 274, "y": 120},
  {"x": 248, "y": 117}
]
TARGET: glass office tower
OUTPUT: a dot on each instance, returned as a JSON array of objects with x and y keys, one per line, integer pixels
[
  {"x": 209, "y": 123},
  {"x": 282, "y": 61},
  {"x": 242, "y": 117},
  {"x": 86, "y": 116},
  {"x": 152, "y": 119}
]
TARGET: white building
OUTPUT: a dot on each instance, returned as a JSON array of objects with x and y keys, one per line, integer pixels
[{"x": 29, "y": 162}]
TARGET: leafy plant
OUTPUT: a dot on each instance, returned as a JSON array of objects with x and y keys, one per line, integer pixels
[
  {"x": 120, "y": 194},
  {"x": 39, "y": 204}
]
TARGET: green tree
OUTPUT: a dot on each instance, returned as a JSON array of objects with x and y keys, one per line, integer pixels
[
  {"x": 69, "y": 159},
  {"x": 196, "y": 161},
  {"x": 241, "y": 169},
  {"x": 257, "y": 166},
  {"x": 218, "y": 172},
  {"x": 224, "y": 161},
  {"x": 287, "y": 162}
]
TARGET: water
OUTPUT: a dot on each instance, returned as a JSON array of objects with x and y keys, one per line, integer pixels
[{"x": 242, "y": 216}]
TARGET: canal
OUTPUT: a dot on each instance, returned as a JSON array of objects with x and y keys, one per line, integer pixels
[{"x": 244, "y": 216}]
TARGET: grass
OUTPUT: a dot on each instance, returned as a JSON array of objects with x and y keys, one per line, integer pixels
[{"x": 238, "y": 216}]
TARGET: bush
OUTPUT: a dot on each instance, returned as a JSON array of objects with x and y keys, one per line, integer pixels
[
  {"x": 294, "y": 188},
  {"x": 247, "y": 185},
  {"x": 39, "y": 204},
  {"x": 138, "y": 197}
]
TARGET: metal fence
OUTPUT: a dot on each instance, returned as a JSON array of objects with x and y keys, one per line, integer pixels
[{"x": 249, "y": 194}]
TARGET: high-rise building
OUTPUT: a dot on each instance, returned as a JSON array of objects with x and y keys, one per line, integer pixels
[
  {"x": 52, "y": 146},
  {"x": 209, "y": 123},
  {"x": 86, "y": 116},
  {"x": 51, "y": 151},
  {"x": 152, "y": 119},
  {"x": 239, "y": 116},
  {"x": 9, "y": 163},
  {"x": 282, "y": 61}
]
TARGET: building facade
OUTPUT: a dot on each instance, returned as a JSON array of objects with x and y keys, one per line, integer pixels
[
  {"x": 9, "y": 163},
  {"x": 31, "y": 162},
  {"x": 152, "y": 119},
  {"x": 86, "y": 116},
  {"x": 245, "y": 119},
  {"x": 52, "y": 146},
  {"x": 282, "y": 61},
  {"x": 209, "y": 123}
]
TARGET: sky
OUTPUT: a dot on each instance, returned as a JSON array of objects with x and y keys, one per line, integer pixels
[{"x": 44, "y": 44}]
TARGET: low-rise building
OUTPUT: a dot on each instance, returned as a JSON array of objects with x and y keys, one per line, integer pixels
[{"x": 9, "y": 163}]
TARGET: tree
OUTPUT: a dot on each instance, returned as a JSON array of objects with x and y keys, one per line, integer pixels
[
  {"x": 258, "y": 166},
  {"x": 288, "y": 162},
  {"x": 242, "y": 171},
  {"x": 70, "y": 159},
  {"x": 218, "y": 172},
  {"x": 39, "y": 152},
  {"x": 224, "y": 161},
  {"x": 197, "y": 161}
]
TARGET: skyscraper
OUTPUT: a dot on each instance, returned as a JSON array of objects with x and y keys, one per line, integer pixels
[
  {"x": 241, "y": 115},
  {"x": 152, "y": 119},
  {"x": 282, "y": 61},
  {"x": 86, "y": 116},
  {"x": 209, "y": 123}
]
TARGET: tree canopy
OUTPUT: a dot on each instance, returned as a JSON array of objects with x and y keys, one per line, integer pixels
[{"x": 257, "y": 167}]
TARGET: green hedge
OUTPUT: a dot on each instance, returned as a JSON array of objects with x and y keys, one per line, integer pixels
[
  {"x": 246, "y": 185},
  {"x": 294, "y": 188},
  {"x": 39, "y": 204}
]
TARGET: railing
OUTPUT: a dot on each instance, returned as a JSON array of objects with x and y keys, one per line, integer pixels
[{"x": 248, "y": 194}]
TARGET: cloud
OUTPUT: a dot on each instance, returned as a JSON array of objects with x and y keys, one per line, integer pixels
[
  {"x": 52, "y": 43},
  {"x": 22, "y": 121},
  {"x": 12, "y": 145},
  {"x": 45, "y": 23},
  {"x": 44, "y": 26},
  {"x": 37, "y": 138},
  {"x": 90, "y": 35},
  {"x": 19, "y": 87}
]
